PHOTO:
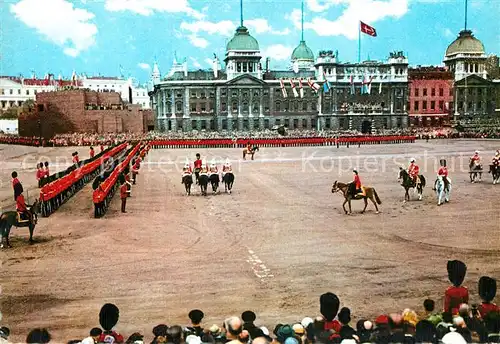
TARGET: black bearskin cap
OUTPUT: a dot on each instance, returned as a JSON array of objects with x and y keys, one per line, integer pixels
[
  {"x": 108, "y": 316},
  {"x": 248, "y": 316},
  {"x": 442, "y": 162},
  {"x": 487, "y": 288},
  {"x": 345, "y": 315},
  {"x": 196, "y": 316},
  {"x": 329, "y": 305},
  {"x": 160, "y": 330},
  {"x": 456, "y": 272}
]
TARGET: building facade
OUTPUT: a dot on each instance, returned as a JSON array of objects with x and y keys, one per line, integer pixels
[
  {"x": 86, "y": 111},
  {"x": 320, "y": 93},
  {"x": 430, "y": 92}
]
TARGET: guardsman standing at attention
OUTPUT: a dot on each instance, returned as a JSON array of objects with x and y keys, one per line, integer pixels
[
  {"x": 92, "y": 152},
  {"x": 47, "y": 172},
  {"x": 455, "y": 295},
  {"x": 123, "y": 194},
  {"x": 197, "y": 166},
  {"x": 40, "y": 173}
]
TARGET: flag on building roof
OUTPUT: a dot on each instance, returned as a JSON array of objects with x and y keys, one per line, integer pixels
[
  {"x": 313, "y": 85},
  {"x": 294, "y": 90},
  {"x": 283, "y": 89},
  {"x": 301, "y": 90},
  {"x": 326, "y": 85},
  {"x": 369, "y": 30}
]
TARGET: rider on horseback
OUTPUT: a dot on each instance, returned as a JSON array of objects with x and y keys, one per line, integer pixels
[
  {"x": 213, "y": 168},
  {"x": 21, "y": 207},
  {"x": 443, "y": 172},
  {"x": 413, "y": 171},
  {"x": 249, "y": 148},
  {"x": 496, "y": 159},
  {"x": 186, "y": 170},
  {"x": 197, "y": 166},
  {"x": 476, "y": 159},
  {"x": 359, "y": 190},
  {"x": 227, "y": 168}
]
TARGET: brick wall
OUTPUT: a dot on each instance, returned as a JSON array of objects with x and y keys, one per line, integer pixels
[{"x": 67, "y": 111}]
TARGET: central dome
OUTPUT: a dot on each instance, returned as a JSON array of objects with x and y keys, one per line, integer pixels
[
  {"x": 465, "y": 43},
  {"x": 242, "y": 41},
  {"x": 302, "y": 52}
]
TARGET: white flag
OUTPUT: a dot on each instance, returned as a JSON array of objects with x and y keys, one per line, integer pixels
[
  {"x": 295, "y": 93},
  {"x": 380, "y": 88},
  {"x": 283, "y": 89},
  {"x": 301, "y": 90}
]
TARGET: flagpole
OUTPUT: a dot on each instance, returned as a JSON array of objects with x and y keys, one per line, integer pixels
[{"x": 359, "y": 42}]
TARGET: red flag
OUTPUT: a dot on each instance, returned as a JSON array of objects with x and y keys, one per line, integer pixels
[{"x": 369, "y": 30}]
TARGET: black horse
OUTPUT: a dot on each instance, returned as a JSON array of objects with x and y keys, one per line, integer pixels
[
  {"x": 495, "y": 173},
  {"x": 475, "y": 171},
  {"x": 203, "y": 181},
  {"x": 187, "y": 180},
  {"x": 214, "y": 180},
  {"x": 10, "y": 218},
  {"x": 408, "y": 184},
  {"x": 228, "y": 181}
]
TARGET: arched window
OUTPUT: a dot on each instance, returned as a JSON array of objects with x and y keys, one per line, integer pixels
[
  {"x": 277, "y": 106},
  {"x": 169, "y": 107},
  {"x": 245, "y": 107},
  {"x": 256, "y": 107},
  {"x": 235, "y": 107}
]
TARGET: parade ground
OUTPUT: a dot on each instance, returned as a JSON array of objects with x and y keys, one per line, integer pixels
[{"x": 273, "y": 246}]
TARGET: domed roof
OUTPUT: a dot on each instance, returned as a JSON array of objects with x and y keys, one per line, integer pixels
[
  {"x": 242, "y": 41},
  {"x": 302, "y": 52},
  {"x": 465, "y": 43}
]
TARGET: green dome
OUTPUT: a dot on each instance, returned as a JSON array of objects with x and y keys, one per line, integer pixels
[
  {"x": 242, "y": 41},
  {"x": 465, "y": 43},
  {"x": 302, "y": 52}
]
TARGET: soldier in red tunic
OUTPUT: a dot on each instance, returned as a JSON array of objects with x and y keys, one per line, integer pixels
[
  {"x": 21, "y": 207},
  {"x": 108, "y": 317},
  {"x": 329, "y": 307},
  {"x": 487, "y": 291},
  {"x": 359, "y": 191},
  {"x": 197, "y": 166},
  {"x": 443, "y": 172},
  {"x": 40, "y": 173},
  {"x": 91, "y": 152},
  {"x": 413, "y": 171},
  {"x": 456, "y": 294},
  {"x": 123, "y": 194}
]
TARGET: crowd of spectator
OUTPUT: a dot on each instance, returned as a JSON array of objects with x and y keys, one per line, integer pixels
[{"x": 459, "y": 322}]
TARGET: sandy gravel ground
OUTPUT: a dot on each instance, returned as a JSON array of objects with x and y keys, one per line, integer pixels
[{"x": 273, "y": 246}]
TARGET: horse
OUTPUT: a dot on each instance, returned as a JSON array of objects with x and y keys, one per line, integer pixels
[
  {"x": 475, "y": 170},
  {"x": 228, "y": 179},
  {"x": 408, "y": 184},
  {"x": 187, "y": 180},
  {"x": 203, "y": 181},
  {"x": 252, "y": 152},
  {"x": 442, "y": 190},
  {"x": 214, "y": 180},
  {"x": 346, "y": 189},
  {"x": 10, "y": 218},
  {"x": 495, "y": 173}
]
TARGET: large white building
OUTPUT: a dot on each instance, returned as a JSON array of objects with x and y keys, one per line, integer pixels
[{"x": 16, "y": 90}]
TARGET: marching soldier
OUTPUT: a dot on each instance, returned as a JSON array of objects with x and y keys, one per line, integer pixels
[{"x": 123, "y": 194}]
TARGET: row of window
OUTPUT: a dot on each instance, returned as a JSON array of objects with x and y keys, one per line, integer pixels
[
  {"x": 433, "y": 92},
  {"x": 471, "y": 106},
  {"x": 212, "y": 125},
  {"x": 11, "y": 92},
  {"x": 432, "y": 103},
  {"x": 11, "y": 103}
]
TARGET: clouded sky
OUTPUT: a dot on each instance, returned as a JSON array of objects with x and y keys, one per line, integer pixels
[{"x": 97, "y": 36}]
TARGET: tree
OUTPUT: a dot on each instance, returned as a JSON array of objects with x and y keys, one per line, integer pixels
[{"x": 10, "y": 113}]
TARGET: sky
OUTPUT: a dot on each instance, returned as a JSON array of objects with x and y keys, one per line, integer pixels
[{"x": 114, "y": 37}]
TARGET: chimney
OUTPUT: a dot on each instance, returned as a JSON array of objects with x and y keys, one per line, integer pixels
[
  {"x": 268, "y": 62},
  {"x": 185, "y": 65},
  {"x": 216, "y": 66}
]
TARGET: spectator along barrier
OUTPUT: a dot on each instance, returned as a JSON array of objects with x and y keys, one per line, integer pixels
[
  {"x": 19, "y": 140},
  {"x": 65, "y": 184},
  {"x": 105, "y": 186},
  {"x": 283, "y": 142}
]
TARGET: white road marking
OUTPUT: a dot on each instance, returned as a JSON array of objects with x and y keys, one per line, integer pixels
[{"x": 258, "y": 267}]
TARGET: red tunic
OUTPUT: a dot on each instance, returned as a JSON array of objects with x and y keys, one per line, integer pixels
[
  {"x": 443, "y": 171},
  {"x": 118, "y": 337},
  {"x": 453, "y": 297},
  {"x": 40, "y": 174},
  {"x": 15, "y": 181},
  {"x": 197, "y": 163},
  {"x": 123, "y": 191},
  {"x": 485, "y": 308},
  {"x": 357, "y": 182},
  {"x": 475, "y": 158},
  {"x": 47, "y": 173},
  {"x": 92, "y": 153},
  {"x": 413, "y": 170},
  {"x": 21, "y": 204}
]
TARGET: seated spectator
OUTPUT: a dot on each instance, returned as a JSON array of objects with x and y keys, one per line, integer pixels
[
  {"x": 38, "y": 336},
  {"x": 94, "y": 335},
  {"x": 160, "y": 333}
]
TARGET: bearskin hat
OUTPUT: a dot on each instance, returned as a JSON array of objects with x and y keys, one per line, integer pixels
[
  {"x": 345, "y": 315},
  {"x": 487, "y": 288},
  {"x": 456, "y": 272},
  {"x": 108, "y": 316},
  {"x": 248, "y": 316},
  {"x": 196, "y": 316},
  {"x": 442, "y": 162},
  {"x": 329, "y": 305}
]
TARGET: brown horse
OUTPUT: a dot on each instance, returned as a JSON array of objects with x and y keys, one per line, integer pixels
[{"x": 370, "y": 193}]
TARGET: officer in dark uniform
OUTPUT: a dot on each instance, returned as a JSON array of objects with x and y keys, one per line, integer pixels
[
  {"x": 196, "y": 317},
  {"x": 248, "y": 318}
]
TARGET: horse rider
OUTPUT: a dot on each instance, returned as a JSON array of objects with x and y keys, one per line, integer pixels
[
  {"x": 15, "y": 181},
  {"x": 21, "y": 207},
  {"x": 496, "y": 159},
  {"x": 476, "y": 159},
  {"x": 197, "y": 166},
  {"x": 186, "y": 170},
  {"x": 213, "y": 168},
  {"x": 413, "y": 171},
  {"x": 249, "y": 148},
  {"x": 227, "y": 168},
  {"x": 204, "y": 168},
  {"x": 443, "y": 172},
  {"x": 359, "y": 191}
]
